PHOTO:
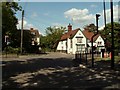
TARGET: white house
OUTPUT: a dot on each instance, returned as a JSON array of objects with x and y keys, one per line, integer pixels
[
  {"x": 77, "y": 40},
  {"x": 36, "y": 38}
]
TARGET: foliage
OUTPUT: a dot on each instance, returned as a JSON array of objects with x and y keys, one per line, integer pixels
[
  {"x": 10, "y": 49},
  {"x": 27, "y": 40},
  {"x": 91, "y": 27},
  {"x": 9, "y": 21},
  {"x": 53, "y": 34},
  {"x": 106, "y": 32}
]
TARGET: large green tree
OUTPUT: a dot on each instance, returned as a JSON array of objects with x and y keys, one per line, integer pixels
[
  {"x": 27, "y": 40},
  {"x": 53, "y": 34},
  {"x": 9, "y": 20},
  {"x": 91, "y": 27},
  {"x": 106, "y": 33}
]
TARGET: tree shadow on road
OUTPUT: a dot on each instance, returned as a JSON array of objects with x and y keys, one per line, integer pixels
[{"x": 59, "y": 73}]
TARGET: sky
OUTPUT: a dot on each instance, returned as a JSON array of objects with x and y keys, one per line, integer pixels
[{"x": 40, "y": 15}]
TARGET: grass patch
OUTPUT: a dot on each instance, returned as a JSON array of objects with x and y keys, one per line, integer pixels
[{"x": 117, "y": 59}]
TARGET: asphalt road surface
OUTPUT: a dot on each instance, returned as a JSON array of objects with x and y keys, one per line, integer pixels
[{"x": 57, "y": 70}]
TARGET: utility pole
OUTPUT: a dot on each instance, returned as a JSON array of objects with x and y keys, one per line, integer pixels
[
  {"x": 97, "y": 15},
  {"x": 21, "y": 44},
  {"x": 104, "y": 14},
  {"x": 112, "y": 35}
]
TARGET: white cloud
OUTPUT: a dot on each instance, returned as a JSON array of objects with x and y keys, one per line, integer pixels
[
  {"x": 26, "y": 25},
  {"x": 19, "y": 24},
  {"x": 108, "y": 14},
  {"x": 101, "y": 28},
  {"x": 80, "y": 16}
]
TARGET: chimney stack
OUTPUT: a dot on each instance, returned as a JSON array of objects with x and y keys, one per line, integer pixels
[
  {"x": 31, "y": 28},
  {"x": 69, "y": 27}
]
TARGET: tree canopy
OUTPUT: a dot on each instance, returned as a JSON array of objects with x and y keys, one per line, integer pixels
[
  {"x": 106, "y": 33},
  {"x": 53, "y": 34},
  {"x": 9, "y": 20},
  {"x": 91, "y": 27}
]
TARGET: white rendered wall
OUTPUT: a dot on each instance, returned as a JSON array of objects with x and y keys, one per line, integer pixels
[{"x": 61, "y": 45}]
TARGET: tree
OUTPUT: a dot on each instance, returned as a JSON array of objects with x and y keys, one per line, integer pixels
[
  {"x": 106, "y": 33},
  {"x": 9, "y": 20},
  {"x": 27, "y": 40},
  {"x": 53, "y": 34},
  {"x": 91, "y": 27}
]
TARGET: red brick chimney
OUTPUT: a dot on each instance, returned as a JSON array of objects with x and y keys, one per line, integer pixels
[
  {"x": 69, "y": 27},
  {"x": 31, "y": 28}
]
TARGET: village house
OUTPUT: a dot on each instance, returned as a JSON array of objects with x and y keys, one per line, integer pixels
[
  {"x": 35, "y": 33},
  {"x": 79, "y": 41},
  {"x": 36, "y": 38}
]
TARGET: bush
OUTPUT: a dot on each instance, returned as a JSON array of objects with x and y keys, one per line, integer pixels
[{"x": 10, "y": 49}]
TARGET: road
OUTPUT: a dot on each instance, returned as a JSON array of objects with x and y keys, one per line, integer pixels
[{"x": 57, "y": 70}]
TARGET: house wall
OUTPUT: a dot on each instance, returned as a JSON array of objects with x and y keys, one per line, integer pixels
[
  {"x": 74, "y": 40},
  {"x": 66, "y": 44},
  {"x": 61, "y": 45},
  {"x": 69, "y": 50},
  {"x": 38, "y": 40},
  {"x": 100, "y": 39}
]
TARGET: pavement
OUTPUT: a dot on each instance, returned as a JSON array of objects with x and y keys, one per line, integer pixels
[{"x": 58, "y": 70}]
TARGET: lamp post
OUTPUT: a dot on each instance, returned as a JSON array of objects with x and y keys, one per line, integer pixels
[
  {"x": 112, "y": 35},
  {"x": 105, "y": 39},
  {"x": 97, "y": 17}
]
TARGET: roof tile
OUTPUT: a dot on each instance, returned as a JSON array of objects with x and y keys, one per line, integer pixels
[
  {"x": 69, "y": 34},
  {"x": 89, "y": 35}
]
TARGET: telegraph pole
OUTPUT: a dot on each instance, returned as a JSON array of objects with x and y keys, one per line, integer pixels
[
  {"x": 104, "y": 14},
  {"x": 112, "y": 35},
  {"x": 21, "y": 45}
]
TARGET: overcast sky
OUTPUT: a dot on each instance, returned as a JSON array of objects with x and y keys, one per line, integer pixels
[{"x": 41, "y": 15}]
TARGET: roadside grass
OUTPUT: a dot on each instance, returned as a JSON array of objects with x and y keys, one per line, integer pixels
[{"x": 117, "y": 59}]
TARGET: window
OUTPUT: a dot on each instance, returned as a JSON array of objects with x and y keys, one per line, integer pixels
[
  {"x": 79, "y": 40},
  {"x": 99, "y": 43},
  {"x": 80, "y": 47}
]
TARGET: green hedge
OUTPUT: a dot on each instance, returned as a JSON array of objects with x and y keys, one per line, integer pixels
[{"x": 10, "y": 49}]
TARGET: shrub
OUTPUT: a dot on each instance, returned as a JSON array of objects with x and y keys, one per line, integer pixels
[{"x": 10, "y": 49}]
